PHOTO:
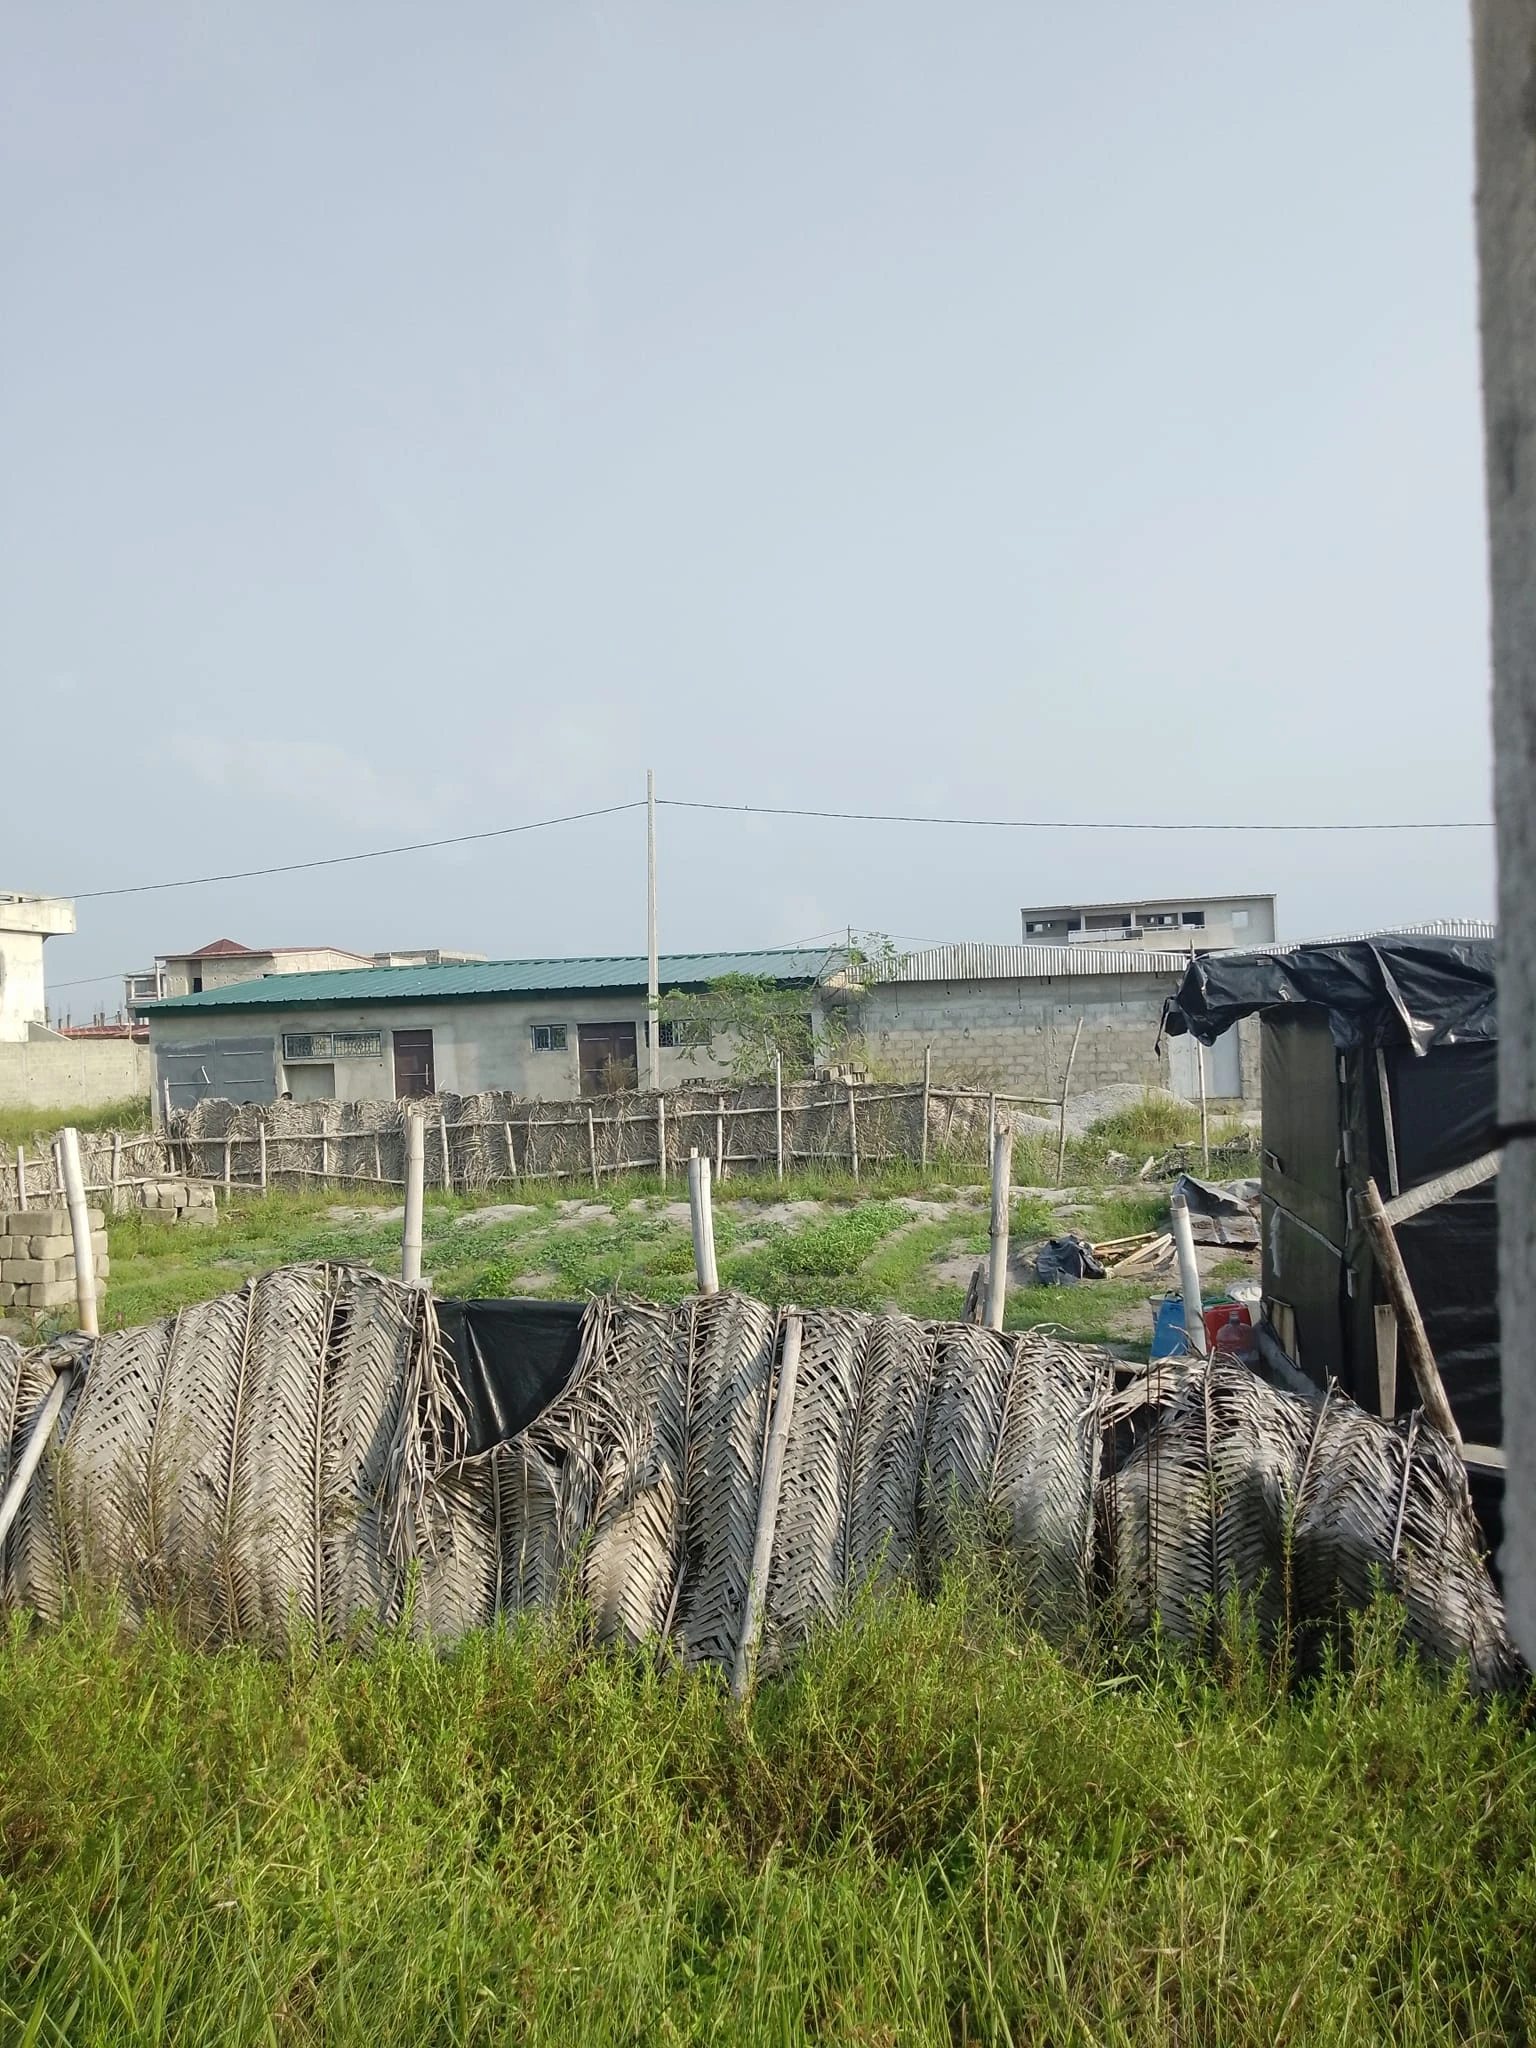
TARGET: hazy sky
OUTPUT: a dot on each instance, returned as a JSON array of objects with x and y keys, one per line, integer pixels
[{"x": 420, "y": 419}]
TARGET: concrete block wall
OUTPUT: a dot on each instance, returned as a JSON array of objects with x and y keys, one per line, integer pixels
[
  {"x": 181, "y": 1201},
  {"x": 37, "y": 1257},
  {"x": 1017, "y": 1035},
  {"x": 73, "y": 1073}
]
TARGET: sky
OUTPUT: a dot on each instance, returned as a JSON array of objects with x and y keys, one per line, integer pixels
[{"x": 415, "y": 421}]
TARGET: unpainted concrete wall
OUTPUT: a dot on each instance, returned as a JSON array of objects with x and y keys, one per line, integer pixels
[{"x": 73, "y": 1073}]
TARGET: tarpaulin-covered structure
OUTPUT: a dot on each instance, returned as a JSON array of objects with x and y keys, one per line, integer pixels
[{"x": 1379, "y": 1061}]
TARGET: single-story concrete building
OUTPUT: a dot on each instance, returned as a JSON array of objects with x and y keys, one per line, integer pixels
[
  {"x": 1005, "y": 1017},
  {"x": 549, "y": 1030}
]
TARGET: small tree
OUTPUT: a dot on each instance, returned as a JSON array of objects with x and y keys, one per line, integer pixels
[{"x": 757, "y": 1018}]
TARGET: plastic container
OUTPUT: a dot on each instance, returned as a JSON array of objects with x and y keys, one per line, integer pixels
[{"x": 1229, "y": 1330}]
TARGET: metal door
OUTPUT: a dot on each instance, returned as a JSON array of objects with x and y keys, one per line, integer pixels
[
  {"x": 413, "y": 1064},
  {"x": 1223, "y": 1068},
  {"x": 608, "y": 1058},
  {"x": 226, "y": 1069}
]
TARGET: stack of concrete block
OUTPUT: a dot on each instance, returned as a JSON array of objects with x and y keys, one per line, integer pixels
[
  {"x": 37, "y": 1257},
  {"x": 182, "y": 1201}
]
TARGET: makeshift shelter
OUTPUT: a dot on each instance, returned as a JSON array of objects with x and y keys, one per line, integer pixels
[{"x": 1379, "y": 1059}]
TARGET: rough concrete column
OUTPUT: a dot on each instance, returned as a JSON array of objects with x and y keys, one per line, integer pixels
[{"x": 1504, "y": 51}]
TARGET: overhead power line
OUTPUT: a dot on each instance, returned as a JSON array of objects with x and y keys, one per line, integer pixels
[
  {"x": 340, "y": 860},
  {"x": 677, "y": 803}
]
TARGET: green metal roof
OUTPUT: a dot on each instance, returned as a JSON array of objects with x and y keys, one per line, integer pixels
[{"x": 471, "y": 978}]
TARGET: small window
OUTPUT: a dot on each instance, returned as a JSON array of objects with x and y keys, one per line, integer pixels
[
  {"x": 678, "y": 1034},
  {"x": 549, "y": 1037},
  {"x": 1160, "y": 920},
  {"x": 307, "y": 1045},
  {"x": 1239, "y": 920},
  {"x": 357, "y": 1045},
  {"x": 1193, "y": 917}
]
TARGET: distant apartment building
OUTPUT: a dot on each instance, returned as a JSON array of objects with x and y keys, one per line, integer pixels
[
  {"x": 224, "y": 962},
  {"x": 1164, "y": 923}
]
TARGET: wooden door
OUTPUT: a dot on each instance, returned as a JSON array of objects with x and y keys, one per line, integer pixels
[
  {"x": 608, "y": 1058},
  {"x": 413, "y": 1064}
]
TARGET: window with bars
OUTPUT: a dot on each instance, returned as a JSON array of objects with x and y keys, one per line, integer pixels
[
  {"x": 333, "y": 1045},
  {"x": 549, "y": 1037}
]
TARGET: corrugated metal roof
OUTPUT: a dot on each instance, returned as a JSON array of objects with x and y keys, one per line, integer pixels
[
  {"x": 496, "y": 978},
  {"x": 1431, "y": 928},
  {"x": 1026, "y": 963}
]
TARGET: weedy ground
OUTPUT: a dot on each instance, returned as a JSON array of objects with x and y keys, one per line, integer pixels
[{"x": 934, "y": 1829}]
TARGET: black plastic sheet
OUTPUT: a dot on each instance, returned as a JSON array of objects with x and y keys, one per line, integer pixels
[{"x": 512, "y": 1359}]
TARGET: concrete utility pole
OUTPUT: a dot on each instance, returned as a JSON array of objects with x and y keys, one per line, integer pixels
[
  {"x": 1504, "y": 61},
  {"x": 653, "y": 958}
]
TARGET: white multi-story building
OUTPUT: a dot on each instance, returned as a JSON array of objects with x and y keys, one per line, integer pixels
[{"x": 1166, "y": 923}]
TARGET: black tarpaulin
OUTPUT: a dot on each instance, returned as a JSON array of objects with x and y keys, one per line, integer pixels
[
  {"x": 1424, "y": 991},
  {"x": 512, "y": 1359}
]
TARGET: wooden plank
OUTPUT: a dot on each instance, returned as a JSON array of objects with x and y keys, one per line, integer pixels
[
  {"x": 1421, "y": 1360},
  {"x": 1386, "y": 1360},
  {"x": 767, "y": 1508},
  {"x": 1433, "y": 1192},
  {"x": 1066, "y": 1089}
]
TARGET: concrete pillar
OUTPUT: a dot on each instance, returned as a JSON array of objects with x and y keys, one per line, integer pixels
[{"x": 1504, "y": 56}]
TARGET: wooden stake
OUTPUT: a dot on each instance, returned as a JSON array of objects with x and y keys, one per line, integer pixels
[
  {"x": 1414, "y": 1336},
  {"x": 778, "y": 1112},
  {"x": 702, "y": 1217},
  {"x": 378, "y": 1160},
  {"x": 767, "y": 1509},
  {"x": 927, "y": 1098},
  {"x": 442, "y": 1132},
  {"x": 1066, "y": 1089},
  {"x": 415, "y": 1178},
  {"x": 79, "y": 1228},
  {"x": 661, "y": 1137},
  {"x": 720, "y": 1139},
  {"x": 261, "y": 1155},
  {"x": 1189, "y": 1278},
  {"x": 1388, "y": 1128},
  {"x": 853, "y": 1129},
  {"x": 1002, "y": 1188},
  {"x": 1385, "y": 1316},
  {"x": 511, "y": 1150},
  {"x": 1205, "y": 1114},
  {"x": 32, "y": 1454},
  {"x": 117, "y": 1162},
  {"x": 228, "y": 1161},
  {"x": 592, "y": 1144},
  {"x": 21, "y": 1177}
]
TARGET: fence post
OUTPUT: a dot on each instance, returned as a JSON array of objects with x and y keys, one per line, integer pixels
[
  {"x": 261, "y": 1153},
  {"x": 79, "y": 1228},
  {"x": 778, "y": 1111},
  {"x": 720, "y": 1137},
  {"x": 1205, "y": 1114},
  {"x": 767, "y": 1508},
  {"x": 1189, "y": 1278},
  {"x": 415, "y": 1177},
  {"x": 442, "y": 1132},
  {"x": 1066, "y": 1085},
  {"x": 117, "y": 1164},
  {"x": 927, "y": 1098},
  {"x": 511, "y": 1150},
  {"x": 1002, "y": 1189},
  {"x": 661, "y": 1136},
  {"x": 229, "y": 1161},
  {"x": 21, "y": 1176},
  {"x": 592, "y": 1145},
  {"x": 378, "y": 1161},
  {"x": 853, "y": 1130},
  {"x": 702, "y": 1217}
]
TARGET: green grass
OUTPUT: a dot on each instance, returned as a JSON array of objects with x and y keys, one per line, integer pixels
[
  {"x": 34, "y": 1126},
  {"x": 935, "y": 1829}
]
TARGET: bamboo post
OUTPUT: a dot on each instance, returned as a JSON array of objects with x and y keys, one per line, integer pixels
[
  {"x": 32, "y": 1454},
  {"x": 378, "y": 1160},
  {"x": 1002, "y": 1189},
  {"x": 778, "y": 1112},
  {"x": 1189, "y": 1278},
  {"x": 1066, "y": 1089},
  {"x": 325, "y": 1152},
  {"x": 927, "y": 1099},
  {"x": 511, "y": 1150},
  {"x": 79, "y": 1228},
  {"x": 442, "y": 1133},
  {"x": 228, "y": 1163},
  {"x": 767, "y": 1509},
  {"x": 261, "y": 1154},
  {"x": 661, "y": 1137},
  {"x": 117, "y": 1167},
  {"x": 701, "y": 1215},
  {"x": 592, "y": 1143},
  {"x": 165, "y": 1089},
  {"x": 720, "y": 1138},
  {"x": 21, "y": 1176},
  {"x": 1205, "y": 1114},
  {"x": 853, "y": 1129},
  {"x": 1414, "y": 1336},
  {"x": 415, "y": 1177}
]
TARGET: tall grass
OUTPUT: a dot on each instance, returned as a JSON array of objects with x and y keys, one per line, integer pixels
[
  {"x": 38, "y": 1126},
  {"x": 934, "y": 1829}
]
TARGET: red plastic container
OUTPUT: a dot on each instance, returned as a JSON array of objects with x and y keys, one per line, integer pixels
[{"x": 1229, "y": 1329}]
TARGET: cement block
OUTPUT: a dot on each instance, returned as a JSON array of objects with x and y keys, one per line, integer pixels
[
  {"x": 199, "y": 1219},
  {"x": 200, "y": 1198},
  {"x": 49, "y": 1248},
  {"x": 35, "y": 1222},
  {"x": 46, "y": 1294},
  {"x": 7, "y": 1294},
  {"x": 31, "y": 1272}
]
